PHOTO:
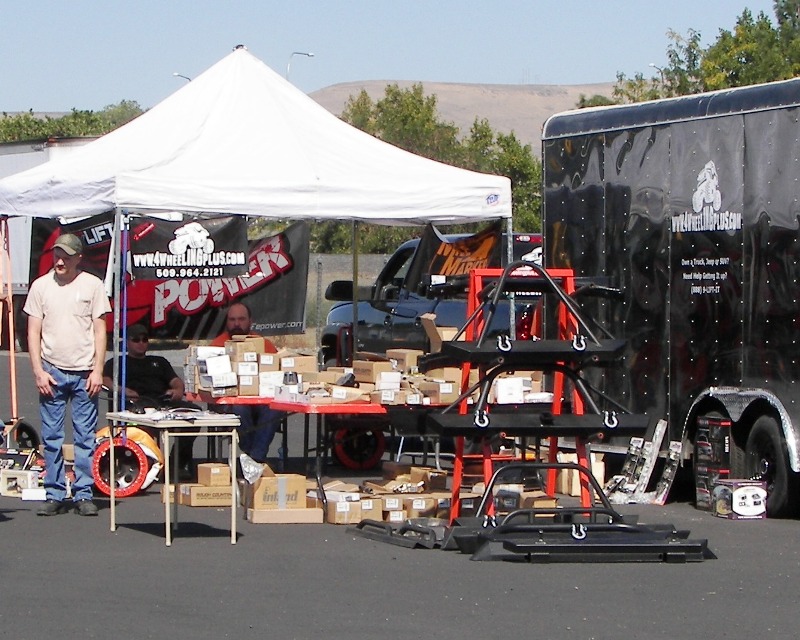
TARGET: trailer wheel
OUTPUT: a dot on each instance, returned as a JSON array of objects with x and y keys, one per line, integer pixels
[
  {"x": 768, "y": 460},
  {"x": 359, "y": 448}
]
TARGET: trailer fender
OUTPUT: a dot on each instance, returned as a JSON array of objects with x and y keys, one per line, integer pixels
[{"x": 736, "y": 401}]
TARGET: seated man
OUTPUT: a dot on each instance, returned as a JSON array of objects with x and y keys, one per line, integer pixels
[
  {"x": 259, "y": 423},
  {"x": 151, "y": 382}
]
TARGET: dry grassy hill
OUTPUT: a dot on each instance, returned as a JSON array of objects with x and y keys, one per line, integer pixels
[{"x": 522, "y": 109}]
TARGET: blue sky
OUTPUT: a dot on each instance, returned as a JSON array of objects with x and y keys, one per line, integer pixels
[{"x": 86, "y": 54}]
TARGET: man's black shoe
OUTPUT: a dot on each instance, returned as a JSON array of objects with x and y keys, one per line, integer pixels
[
  {"x": 85, "y": 507},
  {"x": 52, "y": 507}
]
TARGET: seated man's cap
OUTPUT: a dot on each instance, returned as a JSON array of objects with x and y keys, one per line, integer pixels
[
  {"x": 69, "y": 243},
  {"x": 137, "y": 330}
]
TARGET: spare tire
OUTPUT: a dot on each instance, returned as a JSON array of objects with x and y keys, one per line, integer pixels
[
  {"x": 131, "y": 467},
  {"x": 359, "y": 448}
]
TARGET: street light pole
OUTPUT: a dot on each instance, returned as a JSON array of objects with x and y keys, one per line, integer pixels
[
  {"x": 296, "y": 53},
  {"x": 180, "y": 75},
  {"x": 659, "y": 69}
]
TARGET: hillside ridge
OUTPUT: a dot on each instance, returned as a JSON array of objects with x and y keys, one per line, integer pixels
[{"x": 522, "y": 109}]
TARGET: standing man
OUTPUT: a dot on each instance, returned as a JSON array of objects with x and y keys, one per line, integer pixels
[
  {"x": 66, "y": 310},
  {"x": 258, "y": 423}
]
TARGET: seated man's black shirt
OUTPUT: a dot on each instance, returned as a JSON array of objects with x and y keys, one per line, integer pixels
[{"x": 149, "y": 376}]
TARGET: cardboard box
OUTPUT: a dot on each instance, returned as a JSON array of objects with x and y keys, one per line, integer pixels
[
  {"x": 445, "y": 374},
  {"x": 436, "y": 335},
  {"x": 198, "y": 495},
  {"x": 304, "y": 515},
  {"x": 321, "y": 377},
  {"x": 219, "y": 380},
  {"x": 347, "y": 394},
  {"x": 395, "y": 517},
  {"x": 468, "y": 504},
  {"x": 37, "y": 494},
  {"x": 443, "y": 499},
  {"x": 439, "y": 392},
  {"x": 420, "y": 506},
  {"x": 537, "y": 500},
  {"x": 391, "y": 469},
  {"x": 281, "y": 491},
  {"x": 244, "y": 348},
  {"x": 216, "y": 365},
  {"x": 401, "y": 484},
  {"x": 391, "y": 502},
  {"x": 371, "y": 509},
  {"x": 344, "y": 513},
  {"x": 300, "y": 364},
  {"x": 272, "y": 361},
  {"x": 739, "y": 499},
  {"x": 213, "y": 474},
  {"x": 404, "y": 360},
  {"x": 431, "y": 478},
  {"x": 368, "y": 370},
  {"x": 247, "y": 368},
  {"x": 249, "y": 386},
  {"x": 568, "y": 480},
  {"x": 167, "y": 488},
  {"x": 13, "y": 482},
  {"x": 706, "y": 477},
  {"x": 388, "y": 381}
]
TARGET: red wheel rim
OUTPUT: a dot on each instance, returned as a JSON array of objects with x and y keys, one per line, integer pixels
[
  {"x": 132, "y": 466},
  {"x": 359, "y": 448}
]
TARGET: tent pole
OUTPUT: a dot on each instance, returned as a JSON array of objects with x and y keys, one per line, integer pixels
[
  {"x": 355, "y": 292},
  {"x": 117, "y": 273},
  {"x": 512, "y": 312}
]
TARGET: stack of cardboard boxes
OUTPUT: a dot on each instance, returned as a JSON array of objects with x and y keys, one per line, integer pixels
[
  {"x": 406, "y": 492},
  {"x": 278, "y": 498},
  {"x": 212, "y": 489}
]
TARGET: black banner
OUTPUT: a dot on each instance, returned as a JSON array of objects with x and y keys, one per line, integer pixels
[
  {"x": 436, "y": 256},
  {"x": 191, "y": 308},
  {"x": 200, "y": 248}
]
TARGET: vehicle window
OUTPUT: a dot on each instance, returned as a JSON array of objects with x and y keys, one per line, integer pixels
[{"x": 391, "y": 277}]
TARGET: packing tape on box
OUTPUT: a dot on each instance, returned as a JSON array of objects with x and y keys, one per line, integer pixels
[{"x": 282, "y": 492}]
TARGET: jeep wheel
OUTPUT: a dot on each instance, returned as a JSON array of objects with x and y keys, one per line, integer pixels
[{"x": 359, "y": 448}]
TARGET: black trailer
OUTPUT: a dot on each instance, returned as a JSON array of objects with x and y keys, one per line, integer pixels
[{"x": 691, "y": 207}]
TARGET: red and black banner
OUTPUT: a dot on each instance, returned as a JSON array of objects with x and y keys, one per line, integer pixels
[{"x": 274, "y": 286}]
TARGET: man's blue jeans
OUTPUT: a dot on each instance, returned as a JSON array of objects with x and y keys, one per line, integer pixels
[
  {"x": 70, "y": 387},
  {"x": 258, "y": 426}
]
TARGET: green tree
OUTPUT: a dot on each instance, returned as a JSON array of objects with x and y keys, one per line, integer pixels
[
  {"x": 636, "y": 89},
  {"x": 753, "y": 52},
  {"x": 596, "y": 100},
  {"x": 409, "y": 119},
  {"x": 77, "y": 123}
]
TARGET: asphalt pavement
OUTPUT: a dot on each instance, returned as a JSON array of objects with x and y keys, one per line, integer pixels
[{"x": 68, "y": 576}]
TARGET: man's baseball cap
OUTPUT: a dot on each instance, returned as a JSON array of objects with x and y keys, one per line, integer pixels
[
  {"x": 69, "y": 244},
  {"x": 137, "y": 331}
]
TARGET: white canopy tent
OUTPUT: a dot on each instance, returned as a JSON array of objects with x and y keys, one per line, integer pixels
[{"x": 240, "y": 139}]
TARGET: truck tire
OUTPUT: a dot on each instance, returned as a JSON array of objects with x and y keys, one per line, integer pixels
[
  {"x": 359, "y": 448},
  {"x": 767, "y": 459}
]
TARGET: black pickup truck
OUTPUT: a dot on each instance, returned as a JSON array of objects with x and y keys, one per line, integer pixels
[{"x": 389, "y": 316}]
